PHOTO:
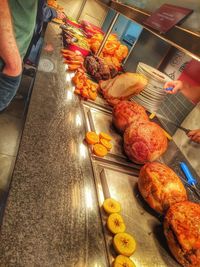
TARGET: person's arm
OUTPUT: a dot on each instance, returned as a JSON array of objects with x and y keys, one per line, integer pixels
[
  {"x": 9, "y": 52},
  {"x": 50, "y": 13},
  {"x": 192, "y": 93}
]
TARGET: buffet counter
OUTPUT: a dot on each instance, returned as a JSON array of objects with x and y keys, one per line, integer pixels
[{"x": 53, "y": 215}]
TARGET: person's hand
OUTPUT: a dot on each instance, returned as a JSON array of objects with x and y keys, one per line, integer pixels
[
  {"x": 176, "y": 85},
  {"x": 194, "y": 135},
  {"x": 60, "y": 15},
  {"x": 48, "y": 47},
  {"x": 13, "y": 68}
]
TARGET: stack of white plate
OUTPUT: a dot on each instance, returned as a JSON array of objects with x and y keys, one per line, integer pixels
[{"x": 153, "y": 93}]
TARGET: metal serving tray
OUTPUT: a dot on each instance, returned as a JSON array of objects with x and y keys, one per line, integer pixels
[
  {"x": 142, "y": 222},
  {"x": 116, "y": 177},
  {"x": 99, "y": 119}
]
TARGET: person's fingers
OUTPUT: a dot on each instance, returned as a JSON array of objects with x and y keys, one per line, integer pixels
[
  {"x": 168, "y": 84},
  {"x": 63, "y": 15},
  {"x": 60, "y": 15},
  {"x": 193, "y": 132},
  {"x": 176, "y": 85},
  {"x": 13, "y": 70},
  {"x": 196, "y": 139},
  {"x": 194, "y": 135}
]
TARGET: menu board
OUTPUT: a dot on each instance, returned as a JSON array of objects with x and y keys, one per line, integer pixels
[{"x": 167, "y": 16}]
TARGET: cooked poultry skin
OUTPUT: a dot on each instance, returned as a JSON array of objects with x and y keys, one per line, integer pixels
[
  {"x": 160, "y": 186},
  {"x": 182, "y": 231}
]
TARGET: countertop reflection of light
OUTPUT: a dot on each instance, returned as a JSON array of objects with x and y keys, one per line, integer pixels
[
  {"x": 78, "y": 120},
  {"x": 88, "y": 198},
  {"x": 101, "y": 194},
  {"x": 68, "y": 78},
  {"x": 82, "y": 150},
  {"x": 69, "y": 95}
]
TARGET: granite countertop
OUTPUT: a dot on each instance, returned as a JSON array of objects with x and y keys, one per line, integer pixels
[{"x": 52, "y": 215}]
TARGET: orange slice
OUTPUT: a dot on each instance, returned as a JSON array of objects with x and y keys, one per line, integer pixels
[
  {"x": 105, "y": 136},
  {"x": 92, "y": 95},
  {"x": 106, "y": 143},
  {"x": 92, "y": 138},
  {"x": 100, "y": 150}
]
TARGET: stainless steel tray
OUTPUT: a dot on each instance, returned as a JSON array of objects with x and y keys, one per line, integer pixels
[
  {"x": 99, "y": 119},
  {"x": 100, "y": 101},
  {"x": 120, "y": 183},
  {"x": 116, "y": 177}
]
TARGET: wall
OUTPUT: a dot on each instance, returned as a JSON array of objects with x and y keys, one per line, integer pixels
[
  {"x": 122, "y": 27},
  {"x": 92, "y": 12},
  {"x": 71, "y": 7},
  {"x": 148, "y": 49}
]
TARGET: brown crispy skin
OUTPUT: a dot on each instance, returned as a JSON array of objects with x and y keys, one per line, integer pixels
[
  {"x": 144, "y": 141},
  {"x": 160, "y": 186},
  {"x": 182, "y": 231},
  {"x": 127, "y": 112}
]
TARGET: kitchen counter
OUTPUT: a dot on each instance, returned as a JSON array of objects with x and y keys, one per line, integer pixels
[{"x": 52, "y": 216}]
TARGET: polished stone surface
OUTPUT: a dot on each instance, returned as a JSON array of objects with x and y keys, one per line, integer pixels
[
  {"x": 6, "y": 169},
  {"x": 11, "y": 125},
  {"x": 7, "y": 164},
  {"x": 10, "y": 132},
  {"x": 52, "y": 215}
]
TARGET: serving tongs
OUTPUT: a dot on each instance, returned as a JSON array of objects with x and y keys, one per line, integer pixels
[
  {"x": 173, "y": 123},
  {"x": 191, "y": 181}
]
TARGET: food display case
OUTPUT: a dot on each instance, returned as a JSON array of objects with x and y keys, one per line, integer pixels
[{"x": 54, "y": 214}]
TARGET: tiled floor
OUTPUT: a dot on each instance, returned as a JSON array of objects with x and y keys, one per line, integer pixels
[{"x": 11, "y": 126}]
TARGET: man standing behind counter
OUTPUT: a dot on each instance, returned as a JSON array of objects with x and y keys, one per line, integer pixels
[{"x": 17, "y": 22}]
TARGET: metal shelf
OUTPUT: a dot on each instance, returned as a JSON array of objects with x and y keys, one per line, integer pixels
[{"x": 179, "y": 37}]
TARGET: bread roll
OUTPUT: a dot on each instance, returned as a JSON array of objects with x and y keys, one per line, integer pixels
[
  {"x": 182, "y": 231},
  {"x": 160, "y": 186}
]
